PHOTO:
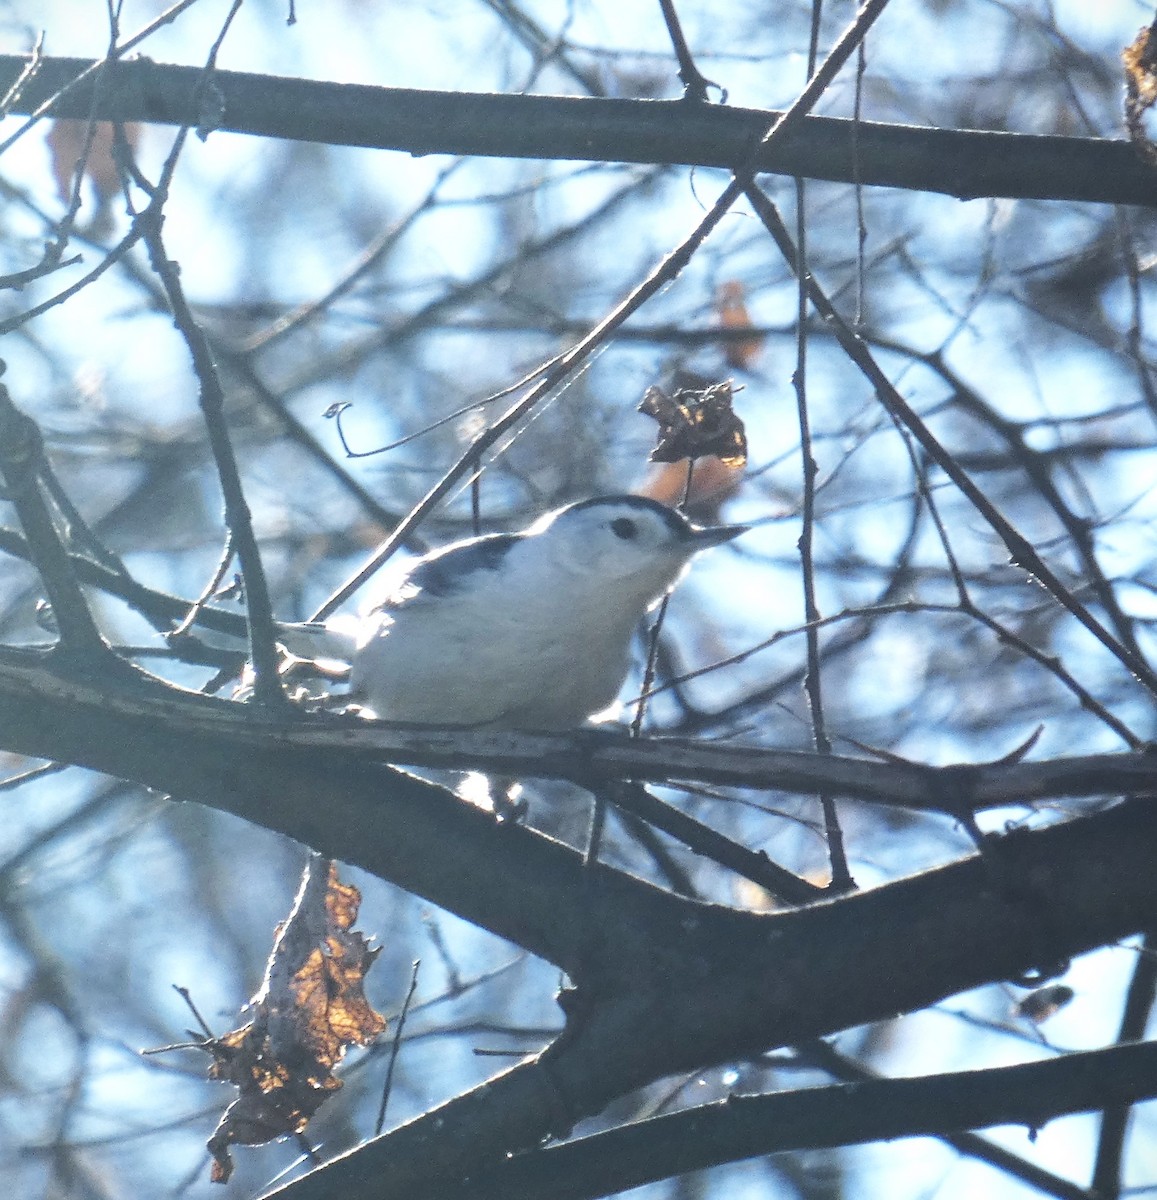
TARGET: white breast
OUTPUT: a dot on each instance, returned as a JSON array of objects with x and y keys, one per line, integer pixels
[{"x": 530, "y": 662}]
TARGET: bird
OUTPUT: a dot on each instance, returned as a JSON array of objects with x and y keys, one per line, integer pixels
[{"x": 520, "y": 631}]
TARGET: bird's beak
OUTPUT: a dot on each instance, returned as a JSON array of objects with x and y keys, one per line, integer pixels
[{"x": 705, "y": 537}]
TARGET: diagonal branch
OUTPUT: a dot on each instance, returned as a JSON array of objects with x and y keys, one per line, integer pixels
[
  {"x": 21, "y": 455},
  {"x": 735, "y": 984},
  {"x": 1020, "y": 550}
]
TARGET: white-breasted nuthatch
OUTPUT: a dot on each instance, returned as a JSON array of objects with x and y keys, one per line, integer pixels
[{"x": 527, "y": 630}]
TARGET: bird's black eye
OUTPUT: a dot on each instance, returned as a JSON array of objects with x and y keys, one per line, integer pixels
[{"x": 625, "y": 528}]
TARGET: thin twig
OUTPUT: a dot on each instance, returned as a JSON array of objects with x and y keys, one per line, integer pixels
[
  {"x": 695, "y": 84},
  {"x": 81, "y": 643},
  {"x": 1106, "y": 1184},
  {"x": 160, "y": 609},
  {"x": 1038, "y": 467},
  {"x": 210, "y": 589},
  {"x": 369, "y": 258},
  {"x": 183, "y": 992},
  {"x": 395, "y": 1047},
  {"x": 258, "y": 606},
  {"x": 841, "y": 876}
]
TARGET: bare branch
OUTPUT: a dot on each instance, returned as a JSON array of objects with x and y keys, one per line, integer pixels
[
  {"x": 847, "y": 1114},
  {"x": 963, "y": 163}
]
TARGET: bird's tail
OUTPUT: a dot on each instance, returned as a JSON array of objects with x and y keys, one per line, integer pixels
[
  {"x": 335, "y": 639},
  {"x": 332, "y": 640},
  {"x": 315, "y": 659}
]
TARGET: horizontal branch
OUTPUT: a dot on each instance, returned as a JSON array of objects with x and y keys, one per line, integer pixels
[
  {"x": 819, "y": 1118},
  {"x": 963, "y": 163},
  {"x": 587, "y": 757},
  {"x": 412, "y": 832},
  {"x": 594, "y": 755},
  {"x": 958, "y": 790}
]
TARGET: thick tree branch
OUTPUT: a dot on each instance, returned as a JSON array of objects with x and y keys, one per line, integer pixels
[
  {"x": 817, "y": 1118},
  {"x": 415, "y": 833},
  {"x": 592, "y": 756},
  {"x": 664, "y": 984},
  {"x": 738, "y": 984},
  {"x": 964, "y": 163}
]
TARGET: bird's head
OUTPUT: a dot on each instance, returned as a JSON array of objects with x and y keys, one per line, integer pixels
[{"x": 625, "y": 539}]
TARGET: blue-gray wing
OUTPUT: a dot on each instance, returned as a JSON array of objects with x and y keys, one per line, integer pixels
[{"x": 447, "y": 572}]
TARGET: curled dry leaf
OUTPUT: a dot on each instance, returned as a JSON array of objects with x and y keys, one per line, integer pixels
[
  {"x": 1140, "y": 58},
  {"x": 310, "y": 1008},
  {"x": 695, "y": 422}
]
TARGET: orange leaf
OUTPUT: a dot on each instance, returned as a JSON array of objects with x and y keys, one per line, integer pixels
[{"x": 731, "y": 309}]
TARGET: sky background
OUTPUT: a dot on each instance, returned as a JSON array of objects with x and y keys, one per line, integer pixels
[{"x": 110, "y": 896}]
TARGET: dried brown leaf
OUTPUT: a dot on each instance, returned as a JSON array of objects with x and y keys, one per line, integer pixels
[
  {"x": 1140, "y": 59},
  {"x": 695, "y": 422},
  {"x": 309, "y": 1010},
  {"x": 67, "y": 142}
]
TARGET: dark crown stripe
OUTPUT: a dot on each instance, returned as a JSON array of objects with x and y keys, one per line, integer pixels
[{"x": 676, "y": 522}]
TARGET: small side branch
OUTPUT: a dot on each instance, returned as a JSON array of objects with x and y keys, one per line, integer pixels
[
  {"x": 238, "y": 519},
  {"x": 81, "y": 644}
]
